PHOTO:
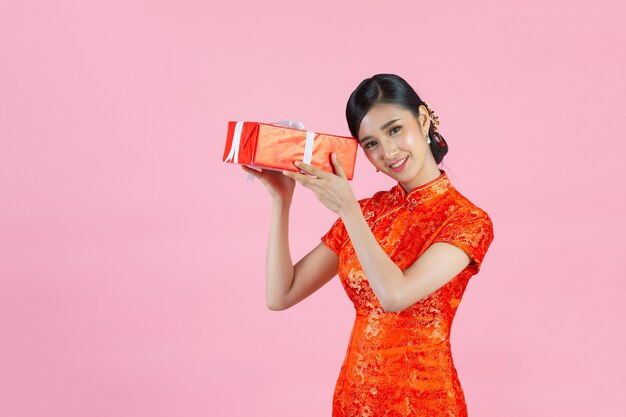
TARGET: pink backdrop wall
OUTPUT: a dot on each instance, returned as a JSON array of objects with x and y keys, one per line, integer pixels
[{"x": 132, "y": 258}]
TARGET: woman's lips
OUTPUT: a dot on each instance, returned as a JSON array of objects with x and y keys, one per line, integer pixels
[{"x": 401, "y": 167}]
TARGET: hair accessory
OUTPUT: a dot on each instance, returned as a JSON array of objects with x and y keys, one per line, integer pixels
[
  {"x": 440, "y": 140},
  {"x": 434, "y": 123},
  {"x": 433, "y": 118}
]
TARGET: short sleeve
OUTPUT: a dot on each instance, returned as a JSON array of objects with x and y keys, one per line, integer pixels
[
  {"x": 472, "y": 231},
  {"x": 335, "y": 237}
]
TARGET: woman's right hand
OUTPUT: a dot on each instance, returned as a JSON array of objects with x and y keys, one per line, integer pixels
[{"x": 279, "y": 185}]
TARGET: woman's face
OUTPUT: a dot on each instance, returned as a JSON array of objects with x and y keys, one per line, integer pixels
[{"x": 394, "y": 142}]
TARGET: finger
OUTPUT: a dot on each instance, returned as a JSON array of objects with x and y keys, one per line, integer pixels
[
  {"x": 301, "y": 178},
  {"x": 338, "y": 167},
  {"x": 310, "y": 169}
]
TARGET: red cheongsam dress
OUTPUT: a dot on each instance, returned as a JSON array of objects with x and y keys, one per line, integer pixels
[{"x": 400, "y": 363}]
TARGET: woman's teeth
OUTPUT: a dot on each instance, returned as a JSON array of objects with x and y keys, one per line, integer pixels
[{"x": 400, "y": 162}]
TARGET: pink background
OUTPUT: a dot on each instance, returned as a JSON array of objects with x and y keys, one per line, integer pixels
[{"x": 132, "y": 258}]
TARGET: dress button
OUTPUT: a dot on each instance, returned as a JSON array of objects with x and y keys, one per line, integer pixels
[{"x": 411, "y": 203}]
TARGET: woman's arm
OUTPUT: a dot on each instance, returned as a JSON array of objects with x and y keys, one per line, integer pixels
[
  {"x": 395, "y": 289},
  {"x": 288, "y": 284},
  {"x": 279, "y": 266}
]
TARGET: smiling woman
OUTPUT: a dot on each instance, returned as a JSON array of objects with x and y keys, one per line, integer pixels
[
  {"x": 392, "y": 89},
  {"x": 404, "y": 257}
]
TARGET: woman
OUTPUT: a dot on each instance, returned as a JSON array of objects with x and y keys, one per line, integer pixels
[{"x": 404, "y": 257}]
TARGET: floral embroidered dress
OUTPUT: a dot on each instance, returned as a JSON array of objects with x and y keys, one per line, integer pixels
[{"x": 400, "y": 364}]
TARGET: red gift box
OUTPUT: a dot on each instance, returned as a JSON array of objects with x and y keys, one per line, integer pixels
[{"x": 277, "y": 147}]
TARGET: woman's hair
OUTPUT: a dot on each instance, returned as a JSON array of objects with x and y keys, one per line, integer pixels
[{"x": 390, "y": 88}]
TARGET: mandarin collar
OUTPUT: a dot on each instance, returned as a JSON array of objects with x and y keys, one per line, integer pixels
[{"x": 423, "y": 192}]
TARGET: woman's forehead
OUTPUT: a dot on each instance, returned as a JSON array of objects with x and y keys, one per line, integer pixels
[{"x": 378, "y": 115}]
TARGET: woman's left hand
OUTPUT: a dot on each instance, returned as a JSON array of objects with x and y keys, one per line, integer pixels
[{"x": 333, "y": 190}]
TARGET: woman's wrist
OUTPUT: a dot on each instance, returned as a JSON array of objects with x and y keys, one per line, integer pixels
[
  {"x": 350, "y": 211},
  {"x": 281, "y": 202}
]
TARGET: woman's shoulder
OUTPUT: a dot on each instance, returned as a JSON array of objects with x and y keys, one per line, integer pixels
[
  {"x": 461, "y": 206},
  {"x": 376, "y": 200}
]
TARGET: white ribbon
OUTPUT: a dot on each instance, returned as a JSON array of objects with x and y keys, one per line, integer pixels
[
  {"x": 233, "y": 154},
  {"x": 308, "y": 147}
]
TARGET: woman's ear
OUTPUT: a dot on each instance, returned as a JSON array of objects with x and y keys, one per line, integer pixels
[{"x": 424, "y": 118}]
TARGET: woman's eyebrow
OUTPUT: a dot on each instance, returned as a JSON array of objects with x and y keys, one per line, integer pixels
[{"x": 389, "y": 123}]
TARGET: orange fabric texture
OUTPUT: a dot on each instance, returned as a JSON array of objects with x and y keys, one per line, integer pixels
[{"x": 400, "y": 364}]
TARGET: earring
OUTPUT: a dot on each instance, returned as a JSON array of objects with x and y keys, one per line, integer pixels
[{"x": 434, "y": 120}]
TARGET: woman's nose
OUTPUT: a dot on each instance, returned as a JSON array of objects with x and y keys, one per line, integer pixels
[{"x": 389, "y": 148}]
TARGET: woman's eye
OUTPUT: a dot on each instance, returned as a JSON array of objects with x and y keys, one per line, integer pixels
[
  {"x": 367, "y": 145},
  {"x": 393, "y": 130}
]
